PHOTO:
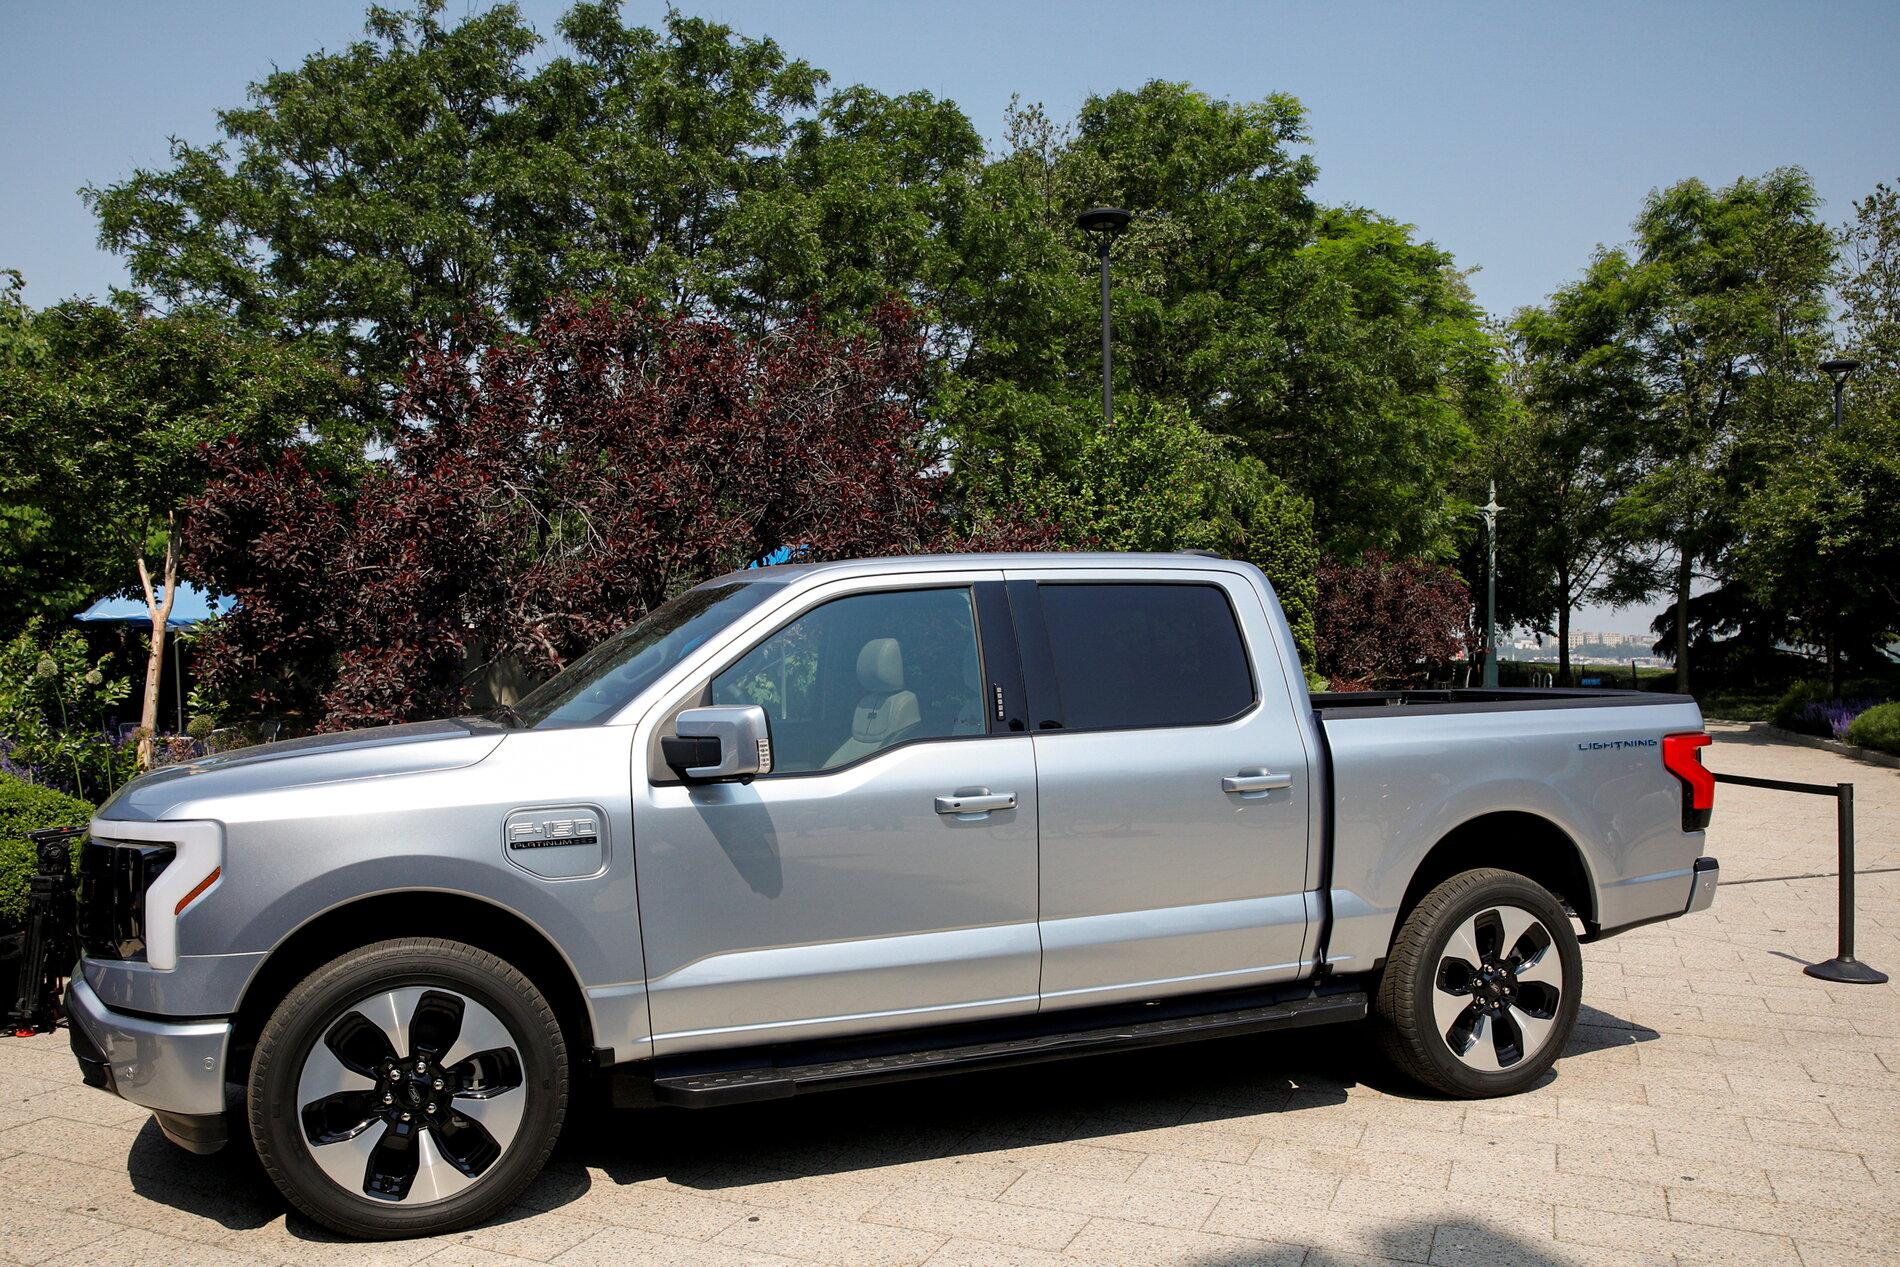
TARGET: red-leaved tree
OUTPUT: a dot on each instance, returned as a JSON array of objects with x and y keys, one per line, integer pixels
[
  {"x": 1382, "y": 622},
  {"x": 545, "y": 492}
]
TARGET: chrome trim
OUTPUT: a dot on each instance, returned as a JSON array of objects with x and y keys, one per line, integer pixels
[
  {"x": 975, "y": 801},
  {"x": 175, "y": 1067},
  {"x": 1255, "y": 781}
]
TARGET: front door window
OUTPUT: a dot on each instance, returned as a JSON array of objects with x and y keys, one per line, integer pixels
[{"x": 862, "y": 675}]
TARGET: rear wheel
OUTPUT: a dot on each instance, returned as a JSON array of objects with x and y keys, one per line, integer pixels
[
  {"x": 1482, "y": 987},
  {"x": 408, "y": 1088}
]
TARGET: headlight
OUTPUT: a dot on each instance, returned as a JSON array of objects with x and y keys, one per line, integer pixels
[{"x": 194, "y": 869}]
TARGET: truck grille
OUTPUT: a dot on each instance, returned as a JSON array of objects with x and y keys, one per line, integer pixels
[{"x": 113, "y": 878}]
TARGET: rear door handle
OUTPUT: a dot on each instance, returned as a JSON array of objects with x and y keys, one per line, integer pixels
[
  {"x": 976, "y": 800},
  {"x": 1255, "y": 781}
]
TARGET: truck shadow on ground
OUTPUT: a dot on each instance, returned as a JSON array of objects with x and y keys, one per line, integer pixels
[{"x": 1203, "y": 1090}]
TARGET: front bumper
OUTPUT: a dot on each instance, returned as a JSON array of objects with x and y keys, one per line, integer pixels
[
  {"x": 1704, "y": 878},
  {"x": 173, "y": 1067}
]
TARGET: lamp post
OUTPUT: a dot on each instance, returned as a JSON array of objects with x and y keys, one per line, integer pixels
[
  {"x": 1839, "y": 369},
  {"x": 1489, "y": 511},
  {"x": 1106, "y": 223}
]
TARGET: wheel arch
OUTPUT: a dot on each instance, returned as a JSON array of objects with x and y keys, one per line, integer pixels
[
  {"x": 418, "y": 913},
  {"x": 1527, "y": 844}
]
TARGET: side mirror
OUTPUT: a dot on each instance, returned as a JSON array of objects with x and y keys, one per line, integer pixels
[{"x": 726, "y": 744}]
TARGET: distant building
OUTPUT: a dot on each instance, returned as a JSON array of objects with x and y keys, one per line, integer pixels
[{"x": 1584, "y": 638}]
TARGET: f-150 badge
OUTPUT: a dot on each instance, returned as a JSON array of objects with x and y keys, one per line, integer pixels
[{"x": 543, "y": 829}]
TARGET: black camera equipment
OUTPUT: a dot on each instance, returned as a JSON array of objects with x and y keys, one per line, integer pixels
[{"x": 49, "y": 942}]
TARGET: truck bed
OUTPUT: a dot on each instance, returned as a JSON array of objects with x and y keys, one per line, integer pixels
[
  {"x": 1341, "y": 705},
  {"x": 1553, "y": 772}
]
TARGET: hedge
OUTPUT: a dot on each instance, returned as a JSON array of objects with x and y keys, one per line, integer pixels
[
  {"x": 1878, "y": 727},
  {"x": 26, "y": 807}
]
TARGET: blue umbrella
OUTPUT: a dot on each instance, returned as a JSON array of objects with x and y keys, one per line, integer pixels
[
  {"x": 190, "y": 606},
  {"x": 781, "y": 555}
]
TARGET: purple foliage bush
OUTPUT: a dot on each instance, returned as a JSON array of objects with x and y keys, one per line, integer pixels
[{"x": 1832, "y": 717}]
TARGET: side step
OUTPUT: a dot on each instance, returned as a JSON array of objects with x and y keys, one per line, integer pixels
[{"x": 775, "y": 1082}]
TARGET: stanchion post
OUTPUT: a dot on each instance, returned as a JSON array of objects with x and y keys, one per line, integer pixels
[{"x": 1843, "y": 967}]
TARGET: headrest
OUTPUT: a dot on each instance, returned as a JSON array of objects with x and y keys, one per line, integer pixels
[{"x": 881, "y": 665}]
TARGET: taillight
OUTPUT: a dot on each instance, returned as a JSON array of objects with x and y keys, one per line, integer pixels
[{"x": 1682, "y": 757}]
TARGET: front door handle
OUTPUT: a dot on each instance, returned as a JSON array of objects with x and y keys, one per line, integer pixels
[
  {"x": 1255, "y": 781},
  {"x": 975, "y": 800}
]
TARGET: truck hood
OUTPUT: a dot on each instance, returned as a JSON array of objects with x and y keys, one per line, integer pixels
[{"x": 352, "y": 754}]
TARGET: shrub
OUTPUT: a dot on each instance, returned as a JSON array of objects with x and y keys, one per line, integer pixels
[
  {"x": 1878, "y": 727},
  {"x": 26, "y": 807},
  {"x": 1809, "y": 708},
  {"x": 1382, "y": 622},
  {"x": 55, "y": 697},
  {"x": 1793, "y": 704}
]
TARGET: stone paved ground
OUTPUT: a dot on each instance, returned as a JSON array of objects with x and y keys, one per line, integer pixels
[{"x": 1715, "y": 1106}]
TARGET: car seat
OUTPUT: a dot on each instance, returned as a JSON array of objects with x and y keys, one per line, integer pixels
[{"x": 886, "y": 713}]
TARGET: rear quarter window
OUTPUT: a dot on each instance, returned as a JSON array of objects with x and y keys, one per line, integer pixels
[{"x": 1145, "y": 654}]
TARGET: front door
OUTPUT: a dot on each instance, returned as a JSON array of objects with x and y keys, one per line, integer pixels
[
  {"x": 1173, "y": 787},
  {"x": 858, "y": 886}
]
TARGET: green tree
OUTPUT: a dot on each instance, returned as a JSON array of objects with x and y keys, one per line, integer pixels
[
  {"x": 1571, "y": 459},
  {"x": 104, "y": 415},
  {"x": 1723, "y": 304},
  {"x": 1869, "y": 290},
  {"x": 1822, "y": 542},
  {"x": 1822, "y": 537},
  {"x": 1342, "y": 353},
  {"x": 426, "y": 178},
  {"x": 435, "y": 178},
  {"x": 1156, "y": 481}
]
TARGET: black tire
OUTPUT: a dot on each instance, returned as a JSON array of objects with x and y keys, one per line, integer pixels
[
  {"x": 319, "y": 1011},
  {"x": 1425, "y": 980}
]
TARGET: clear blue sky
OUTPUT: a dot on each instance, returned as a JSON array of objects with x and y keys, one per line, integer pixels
[{"x": 1519, "y": 136}]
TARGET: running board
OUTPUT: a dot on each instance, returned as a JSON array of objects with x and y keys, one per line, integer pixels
[{"x": 776, "y": 1082}]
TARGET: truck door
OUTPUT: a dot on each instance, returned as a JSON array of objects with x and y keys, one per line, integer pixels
[
  {"x": 884, "y": 873},
  {"x": 1173, "y": 785}
]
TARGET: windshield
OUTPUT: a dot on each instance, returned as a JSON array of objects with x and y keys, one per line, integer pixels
[{"x": 602, "y": 682}]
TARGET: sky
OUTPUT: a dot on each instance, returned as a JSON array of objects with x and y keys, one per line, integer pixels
[{"x": 1517, "y": 136}]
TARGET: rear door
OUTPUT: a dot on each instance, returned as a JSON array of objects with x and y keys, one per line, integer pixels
[{"x": 1173, "y": 785}]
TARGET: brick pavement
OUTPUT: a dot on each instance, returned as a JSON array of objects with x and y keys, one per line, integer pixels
[{"x": 1715, "y": 1106}]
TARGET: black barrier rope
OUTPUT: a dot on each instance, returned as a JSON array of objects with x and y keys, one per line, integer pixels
[{"x": 1843, "y": 967}]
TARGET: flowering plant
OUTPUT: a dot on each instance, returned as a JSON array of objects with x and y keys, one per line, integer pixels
[{"x": 55, "y": 699}]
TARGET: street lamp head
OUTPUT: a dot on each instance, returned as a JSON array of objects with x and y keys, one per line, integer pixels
[
  {"x": 1840, "y": 367},
  {"x": 1109, "y": 220}
]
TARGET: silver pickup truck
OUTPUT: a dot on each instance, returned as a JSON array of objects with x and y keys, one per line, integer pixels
[{"x": 811, "y": 826}]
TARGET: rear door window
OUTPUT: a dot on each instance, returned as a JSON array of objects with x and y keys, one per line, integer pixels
[{"x": 1136, "y": 654}]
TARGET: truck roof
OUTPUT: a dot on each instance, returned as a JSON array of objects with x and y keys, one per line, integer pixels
[{"x": 787, "y": 572}]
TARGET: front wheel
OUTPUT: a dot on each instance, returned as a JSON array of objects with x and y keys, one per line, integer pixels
[
  {"x": 1482, "y": 987},
  {"x": 408, "y": 1088}
]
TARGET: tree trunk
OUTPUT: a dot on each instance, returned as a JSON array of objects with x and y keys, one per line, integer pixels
[
  {"x": 1685, "y": 573},
  {"x": 1563, "y": 626},
  {"x": 159, "y": 603},
  {"x": 1833, "y": 665}
]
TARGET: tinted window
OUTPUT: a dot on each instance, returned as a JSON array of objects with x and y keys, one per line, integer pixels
[
  {"x": 862, "y": 674},
  {"x": 1145, "y": 655},
  {"x": 606, "y": 679}
]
